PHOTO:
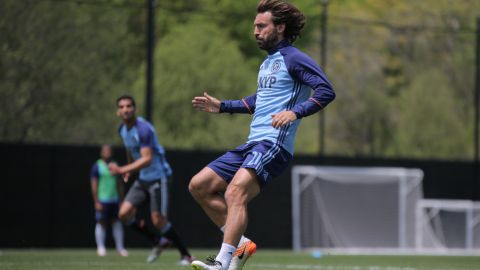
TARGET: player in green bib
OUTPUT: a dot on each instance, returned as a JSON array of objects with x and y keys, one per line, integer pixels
[{"x": 106, "y": 191}]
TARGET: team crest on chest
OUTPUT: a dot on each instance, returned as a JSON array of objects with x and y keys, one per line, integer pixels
[{"x": 276, "y": 66}]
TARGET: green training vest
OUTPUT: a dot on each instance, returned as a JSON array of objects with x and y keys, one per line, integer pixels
[{"x": 107, "y": 183}]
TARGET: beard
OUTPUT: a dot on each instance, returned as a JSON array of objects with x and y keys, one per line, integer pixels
[
  {"x": 127, "y": 116},
  {"x": 269, "y": 41}
]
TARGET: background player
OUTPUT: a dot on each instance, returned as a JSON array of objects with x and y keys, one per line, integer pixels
[
  {"x": 107, "y": 190},
  {"x": 285, "y": 80},
  {"x": 146, "y": 155}
]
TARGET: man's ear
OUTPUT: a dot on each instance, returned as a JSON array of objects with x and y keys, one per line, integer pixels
[
  {"x": 281, "y": 28},
  {"x": 118, "y": 112}
]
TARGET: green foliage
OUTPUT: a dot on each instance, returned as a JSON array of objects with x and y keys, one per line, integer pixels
[
  {"x": 403, "y": 72},
  {"x": 195, "y": 57},
  {"x": 433, "y": 127},
  {"x": 61, "y": 65}
]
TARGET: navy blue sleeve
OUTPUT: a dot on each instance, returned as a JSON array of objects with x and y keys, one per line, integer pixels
[
  {"x": 244, "y": 105},
  {"x": 145, "y": 135},
  {"x": 94, "y": 172},
  {"x": 303, "y": 69}
]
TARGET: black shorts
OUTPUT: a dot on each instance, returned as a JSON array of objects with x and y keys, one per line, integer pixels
[{"x": 109, "y": 212}]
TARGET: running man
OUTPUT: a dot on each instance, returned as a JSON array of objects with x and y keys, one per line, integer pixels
[
  {"x": 283, "y": 97},
  {"x": 146, "y": 155},
  {"x": 107, "y": 191}
]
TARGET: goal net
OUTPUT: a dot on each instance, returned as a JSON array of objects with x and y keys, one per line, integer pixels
[
  {"x": 454, "y": 226},
  {"x": 354, "y": 208}
]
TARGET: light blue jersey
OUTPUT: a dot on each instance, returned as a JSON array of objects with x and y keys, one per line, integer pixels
[
  {"x": 276, "y": 92},
  {"x": 142, "y": 134},
  {"x": 285, "y": 80}
]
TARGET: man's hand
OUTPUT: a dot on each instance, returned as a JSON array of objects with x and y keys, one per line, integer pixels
[
  {"x": 283, "y": 118},
  {"x": 206, "y": 103},
  {"x": 98, "y": 206},
  {"x": 114, "y": 168}
]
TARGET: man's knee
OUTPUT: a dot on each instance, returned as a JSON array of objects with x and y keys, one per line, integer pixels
[
  {"x": 102, "y": 223},
  {"x": 195, "y": 184},
  {"x": 126, "y": 212},
  {"x": 158, "y": 220},
  {"x": 205, "y": 182},
  {"x": 124, "y": 216}
]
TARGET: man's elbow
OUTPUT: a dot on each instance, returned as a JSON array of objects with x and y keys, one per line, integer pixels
[
  {"x": 328, "y": 96},
  {"x": 332, "y": 96},
  {"x": 147, "y": 161}
]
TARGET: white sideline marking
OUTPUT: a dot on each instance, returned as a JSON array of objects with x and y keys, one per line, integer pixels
[
  {"x": 345, "y": 267},
  {"x": 328, "y": 267}
]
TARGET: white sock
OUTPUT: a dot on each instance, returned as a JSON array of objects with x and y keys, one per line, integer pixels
[
  {"x": 243, "y": 239},
  {"x": 117, "y": 229},
  {"x": 100, "y": 235},
  {"x": 225, "y": 255}
]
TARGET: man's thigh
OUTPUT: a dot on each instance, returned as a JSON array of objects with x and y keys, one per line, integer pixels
[
  {"x": 227, "y": 165},
  {"x": 268, "y": 160},
  {"x": 136, "y": 195}
]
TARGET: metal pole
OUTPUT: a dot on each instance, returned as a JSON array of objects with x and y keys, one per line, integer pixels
[
  {"x": 150, "y": 55},
  {"x": 323, "y": 63},
  {"x": 476, "y": 182}
]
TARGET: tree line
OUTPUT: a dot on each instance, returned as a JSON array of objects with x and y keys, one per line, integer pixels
[{"x": 403, "y": 72}]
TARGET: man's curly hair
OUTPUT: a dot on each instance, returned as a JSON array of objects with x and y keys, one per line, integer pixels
[{"x": 286, "y": 13}]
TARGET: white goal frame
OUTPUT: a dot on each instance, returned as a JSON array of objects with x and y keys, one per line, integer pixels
[
  {"x": 408, "y": 179},
  {"x": 427, "y": 209}
]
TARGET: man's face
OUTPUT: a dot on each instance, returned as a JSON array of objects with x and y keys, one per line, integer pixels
[
  {"x": 266, "y": 33},
  {"x": 106, "y": 152},
  {"x": 125, "y": 109}
]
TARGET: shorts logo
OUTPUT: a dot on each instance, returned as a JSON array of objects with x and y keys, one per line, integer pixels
[{"x": 276, "y": 66}]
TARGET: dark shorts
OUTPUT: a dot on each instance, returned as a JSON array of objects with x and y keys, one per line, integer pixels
[
  {"x": 267, "y": 159},
  {"x": 109, "y": 212},
  {"x": 156, "y": 190}
]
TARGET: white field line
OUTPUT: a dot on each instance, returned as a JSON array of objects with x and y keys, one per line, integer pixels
[{"x": 330, "y": 267}]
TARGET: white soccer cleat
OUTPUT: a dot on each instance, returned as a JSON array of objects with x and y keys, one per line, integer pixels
[
  {"x": 101, "y": 252},
  {"x": 154, "y": 254},
  {"x": 210, "y": 264},
  {"x": 241, "y": 255},
  {"x": 186, "y": 260},
  {"x": 123, "y": 252}
]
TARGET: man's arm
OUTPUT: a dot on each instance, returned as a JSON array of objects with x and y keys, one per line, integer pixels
[
  {"x": 211, "y": 104},
  {"x": 146, "y": 155},
  {"x": 94, "y": 188},
  {"x": 304, "y": 69},
  {"x": 244, "y": 105}
]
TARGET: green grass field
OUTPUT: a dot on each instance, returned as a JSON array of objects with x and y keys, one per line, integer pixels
[{"x": 82, "y": 259}]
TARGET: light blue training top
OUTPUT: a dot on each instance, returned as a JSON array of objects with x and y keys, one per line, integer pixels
[
  {"x": 285, "y": 81},
  {"x": 142, "y": 134}
]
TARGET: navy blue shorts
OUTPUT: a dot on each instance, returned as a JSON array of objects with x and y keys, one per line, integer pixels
[
  {"x": 267, "y": 159},
  {"x": 109, "y": 212}
]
